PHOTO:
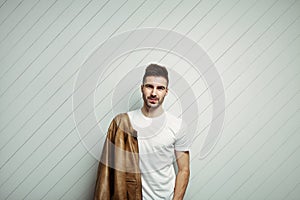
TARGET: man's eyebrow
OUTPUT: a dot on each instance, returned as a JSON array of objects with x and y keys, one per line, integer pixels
[
  {"x": 148, "y": 84},
  {"x": 151, "y": 84},
  {"x": 161, "y": 87}
]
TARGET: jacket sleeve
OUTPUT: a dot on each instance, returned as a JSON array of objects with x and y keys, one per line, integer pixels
[{"x": 104, "y": 187}]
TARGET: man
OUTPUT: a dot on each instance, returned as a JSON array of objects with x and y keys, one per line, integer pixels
[{"x": 141, "y": 147}]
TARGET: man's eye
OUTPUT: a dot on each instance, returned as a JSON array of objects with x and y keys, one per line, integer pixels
[{"x": 161, "y": 88}]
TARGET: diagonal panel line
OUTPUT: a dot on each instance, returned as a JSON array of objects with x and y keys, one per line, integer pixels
[
  {"x": 260, "y": 111},
  {"x": 34, "y": 24},
  {"x": 262, "y": 89},
  {"x": 26, "y": 50},
  {"x": 51, "y": 61},
  {"x": 240, "y": 74},
  {"x": 246, "y": 71},
  {"x": 21, "y": 20},
  {"x": 18, "y": 5},
  {"x": 260, "y": 36},
  {"x": 28, "y": 84},
  {"x": 283, "y": 87},
  {"x": 257, "y": 170},
  {"x": 252, "y": 25},
  {"x": 3, "y": 3},
  {"x": 152, "y": 49},
  {"x": 254, "y": 153},
  {"x": 248, "y": 84},
  {"x": 245, "y": 51},
  {"x": 223, "y": 146},
  {"x": 280, "y": 165},
  {"x": 219, "y": 152},
  {"x": 259, "y": 92},
  {"x": 86, "y": 172},
  {"x": 90, "y": 168},
  {"x": 198, "y": 22},
  {"x": 293, "y": 189},
  {"x": 229, "y": 28},
  {"x": 7, "y": 124},
  {"x": 269, "y": 120},
  {"x": 266, "y": 160},
  {"x": 36, "y": 58}
]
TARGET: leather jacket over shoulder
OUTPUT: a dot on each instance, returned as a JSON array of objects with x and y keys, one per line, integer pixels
[{"x": 118, "y": 175}]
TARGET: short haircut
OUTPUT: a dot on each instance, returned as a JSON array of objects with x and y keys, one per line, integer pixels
[{"x": 156, "y": 70}]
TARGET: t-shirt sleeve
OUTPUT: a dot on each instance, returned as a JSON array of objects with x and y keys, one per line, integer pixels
[{"x": 183, "y": 139}]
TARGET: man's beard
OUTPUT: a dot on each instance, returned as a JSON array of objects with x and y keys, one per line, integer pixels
[{"x": 150, "y": 105}]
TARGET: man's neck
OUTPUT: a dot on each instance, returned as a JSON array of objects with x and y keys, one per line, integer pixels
[{"x": 152, "y": 112}]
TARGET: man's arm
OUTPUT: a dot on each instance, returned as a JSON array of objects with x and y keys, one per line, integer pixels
[{"x": 182, "y": 177}]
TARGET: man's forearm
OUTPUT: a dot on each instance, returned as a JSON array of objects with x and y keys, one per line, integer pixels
[{"x": 181, "y": 183}]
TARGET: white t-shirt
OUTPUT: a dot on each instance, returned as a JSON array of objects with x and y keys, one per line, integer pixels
[{"x": 158, "y": 137}]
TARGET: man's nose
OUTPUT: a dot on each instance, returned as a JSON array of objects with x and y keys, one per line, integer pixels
[{"x": 153, "y": 92}]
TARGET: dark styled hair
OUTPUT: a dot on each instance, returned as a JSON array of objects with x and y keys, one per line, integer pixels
[{"x": 156, "y": 70}]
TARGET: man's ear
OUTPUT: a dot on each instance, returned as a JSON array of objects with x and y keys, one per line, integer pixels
[
  {"x": 142, "y": 88},
  {"x": 167, "y": 90}
]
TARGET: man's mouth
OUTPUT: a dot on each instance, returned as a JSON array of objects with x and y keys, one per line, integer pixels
[{"x": 152, "y": 100}]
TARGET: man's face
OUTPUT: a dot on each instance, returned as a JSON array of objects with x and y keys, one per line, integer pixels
[{"x": 154, "y": 91}]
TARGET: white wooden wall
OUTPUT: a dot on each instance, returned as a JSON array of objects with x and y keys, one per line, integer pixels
[{"x": 254, "y": 44}]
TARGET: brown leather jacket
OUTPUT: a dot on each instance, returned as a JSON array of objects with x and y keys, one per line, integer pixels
[{"x": 118, "y": 174}]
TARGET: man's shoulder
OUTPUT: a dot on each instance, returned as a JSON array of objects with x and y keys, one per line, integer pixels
[
  {"x": 121, "y": 117},
  {"x": 125, "y": 117},
  {"x": 122, "y": 122}
]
